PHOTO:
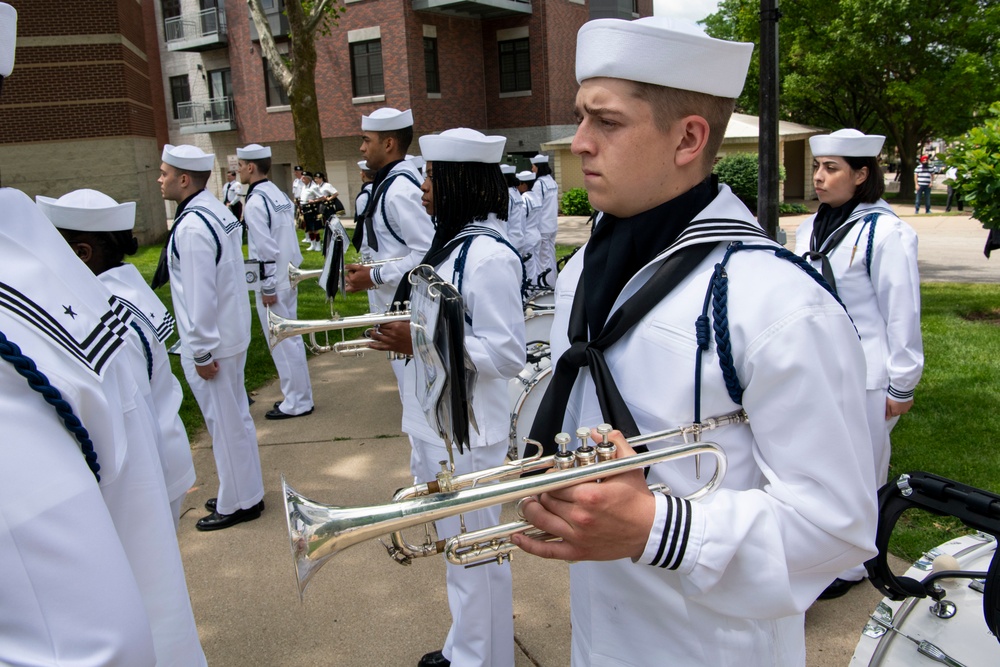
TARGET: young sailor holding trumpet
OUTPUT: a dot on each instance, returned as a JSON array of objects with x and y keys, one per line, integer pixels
[{"x": 466, "y": 195}]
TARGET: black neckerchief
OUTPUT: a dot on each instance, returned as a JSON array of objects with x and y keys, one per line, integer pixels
[
  {"x": 382, "y": 173},
  {"x": 255, "y": 184},
  {"x": 161, "y": 276},
  {"x": 586, "y": 353},
  {"x": 364, "y": 228},
  {"x": 828, "y": 219},
  {"x": 620, "y": 247}
]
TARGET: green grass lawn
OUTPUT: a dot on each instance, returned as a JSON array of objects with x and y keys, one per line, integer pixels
[{"x": 953, "y": 429}]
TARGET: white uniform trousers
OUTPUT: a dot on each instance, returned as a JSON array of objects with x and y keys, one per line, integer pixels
[
  {"x": 223, "y": 402},
  {"x": 481, "y": 599},
  {"x": 545, "y": 257},
  {"x": 289, "y": 356}
]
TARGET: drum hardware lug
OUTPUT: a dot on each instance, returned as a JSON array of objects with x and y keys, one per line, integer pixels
[
  {"x": 904, "y": 486},
  {"x": 978, "y": 585},
  {"x": 943, "y": 608}
]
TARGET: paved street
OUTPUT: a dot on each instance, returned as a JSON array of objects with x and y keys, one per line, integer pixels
[{"x": 364, "y": 610}]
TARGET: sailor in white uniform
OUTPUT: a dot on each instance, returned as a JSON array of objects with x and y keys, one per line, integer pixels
[
  {"x": 701, "y": 316},
  {"x": 870, "y": 256},
  {"x": 532, "y": 224},
  {"x": 396, "y": 225},
  {"x": 76, "y": 333},
  {"x": 70, "y": 595},
  {"x": 548, "y": 192},
  {"x": 515, "y": 210},
  {"x": 270, "y": 222},
  {"x": 467, "y": 195},
  {"x": 99, "y": 231},
  {"x": 205, "y": 259},
  {"x": 364, "y": 194}
]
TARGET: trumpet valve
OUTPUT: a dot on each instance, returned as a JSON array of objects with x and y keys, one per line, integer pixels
[
  {"x": 563, "y": 459},
  {"x": 585, "y": 454},
  {"x": 605, "y": 449},
  {"x": 444, "y": 477}
]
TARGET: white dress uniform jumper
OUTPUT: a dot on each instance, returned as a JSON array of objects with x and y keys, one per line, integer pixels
[
  {"x": 75, "y": 332},
  {"x": 272, "y": 240},
  {"x": 743, "y": 564},
  {"x": 880, "y": 286},
  {"x": 153, "y": 324},
  {"x": 213, "y": 319}
]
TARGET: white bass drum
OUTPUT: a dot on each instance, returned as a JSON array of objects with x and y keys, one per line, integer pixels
[
  {"x": 525, "y": 393},
  {"x": 892, "y": 637}
]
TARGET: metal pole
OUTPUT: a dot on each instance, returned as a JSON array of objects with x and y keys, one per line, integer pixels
[{"x": 768, "y": 139}]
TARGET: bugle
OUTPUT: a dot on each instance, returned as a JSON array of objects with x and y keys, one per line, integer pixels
[
  {"x": 317, "y": 532},
  {"x": 279, "y": 328}
]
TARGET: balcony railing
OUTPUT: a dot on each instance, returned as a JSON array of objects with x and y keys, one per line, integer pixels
[
  {"x": 214, "y": 115},
  {"x": 480, "y": 9},
  {"x": 196, "y": 32}
]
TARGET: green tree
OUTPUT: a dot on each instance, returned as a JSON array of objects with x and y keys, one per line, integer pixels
[
  {"x": 296, "y": 72},
  {"x": 909, "y": 70},
  {"x": 977, "y": 160}
]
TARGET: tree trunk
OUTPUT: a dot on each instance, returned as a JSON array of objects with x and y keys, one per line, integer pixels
[{"x": 302, "y": 93}]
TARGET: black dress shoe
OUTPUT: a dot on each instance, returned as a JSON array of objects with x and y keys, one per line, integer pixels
[
  {"x": 276, "y": 404},
  {"x": 434, "y": 659},
  {"x": 216, "y": 521},
  {"x": 838, "y": 588},
  {"x": 210, "y": 504},
  {"x": 278, "y": 414}
]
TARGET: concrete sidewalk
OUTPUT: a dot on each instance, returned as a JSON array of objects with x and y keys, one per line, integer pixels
[{"x": 362, "y": 609}]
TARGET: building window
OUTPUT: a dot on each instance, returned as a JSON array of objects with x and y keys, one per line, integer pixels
[
  {"x": 431, "y": 65},
  {"x": 171, "y": 10},
  {"x": 366, "y": 68},
  {"x": 273, "y": 91},
  {"x": 515, "y": 66},
  {"x": 180, "y": 94}
]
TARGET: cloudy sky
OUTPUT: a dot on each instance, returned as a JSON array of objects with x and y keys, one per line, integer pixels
[{"x": 689, "y": 9}]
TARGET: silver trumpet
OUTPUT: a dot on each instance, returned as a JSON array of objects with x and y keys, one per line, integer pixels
[
  {"x": 279, "y": 328},
  {"x": 297, "y": 275},
  {"x": 318, "y": 532}
]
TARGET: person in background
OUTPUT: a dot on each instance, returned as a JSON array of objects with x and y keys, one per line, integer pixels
[
  {"x": 364, "y": 194},
  {"x": 923, "y": 177},
  {"x": 869, "y": 256},
  {"x": 232, "y": 194},
  {"x": 312, "y": 214},
  {"x": 271, "y": 233},
  {"x": 467, "y": 196},
  {"x": 548, "y": 193},
  {"x": 209, "y": 290},
  {"x": 515, "y": 212},
  {"x": 951, "y": 177},
  {"x": 678, "y": 309},
  {"x": 532, "y": 226}
]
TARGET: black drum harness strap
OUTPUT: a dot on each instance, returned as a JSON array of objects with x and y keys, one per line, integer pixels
[{"x": 974, "y": 507}]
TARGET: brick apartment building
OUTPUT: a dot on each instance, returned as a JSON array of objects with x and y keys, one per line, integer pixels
[
  {"x": 101, "y": 85},
  {"x": 500, "y": 66},
  {"x": 84, "y": 105}
]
